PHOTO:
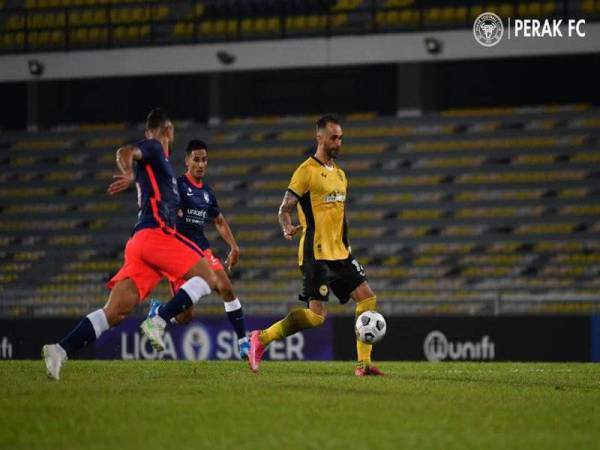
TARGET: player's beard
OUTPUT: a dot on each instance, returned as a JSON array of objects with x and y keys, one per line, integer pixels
[{"x": 332, "y": 153}]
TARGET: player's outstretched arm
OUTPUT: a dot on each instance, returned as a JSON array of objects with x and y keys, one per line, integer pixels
[
  {"x": 125, "y": 157},
  {"x": 285, "y": 215},
  {"x": 225, "y": 231}
]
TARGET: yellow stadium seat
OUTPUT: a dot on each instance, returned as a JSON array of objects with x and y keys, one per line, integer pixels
[
  {"x": 99, "y": 17},
  {"x": 448, "y": 15},
  {"x": 433, "y": 15},
  {"x": 476, "y": 11},
  {"x": 231, "y": 26},
  {"x": 35, "y": 21},
  {"x": 15, "y": 23},
  {"x": 32, "y": 39},
  {"x": 183, "y": 29},
  {"x": 44, "y": 38},
  {"x": 587, "y": 6},
  {"x": 273, "y": 24},
  {"x": 161, "y": 12},
  {"x": 139, "y": 15},
  {"x": 548, "y": 8},
  {"x": 505, "y": 10},
  {"x": 247, "y": 26},
  {"x": 220, "y": 27},
  {"x": 60, "y": 19},
  {"x": 117, "y": 15},
  {"x": 119, "y": 33},
  {"x": 407, "y": 17},
  {"x": 337, "y": 20},
  {"x": 206, "y": 27},
  {"x": 6, "y": 40},
  {"x": 57, "y": 38},
  {"x": 398, "y": 3},
  {"x": 87, "y": 17},
  {"x": 94, "y": 35},
  {"x": 75, "y": 18},
  {"x": 199, "y": 10},
  {"x": 315, "y": 22},
  {"x": 461, "y": 13},
  {"x": 133, "y": 33},
  {"x": 260, "y": 25}
]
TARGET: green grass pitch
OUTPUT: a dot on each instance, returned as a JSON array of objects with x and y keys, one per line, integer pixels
[{"x": 299, "y": 405}]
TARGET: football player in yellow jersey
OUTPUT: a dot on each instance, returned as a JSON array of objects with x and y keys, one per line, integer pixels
[{"x": 318, "y": 190}]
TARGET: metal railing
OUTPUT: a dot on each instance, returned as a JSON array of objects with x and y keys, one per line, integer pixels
[{"x": 27, "y": 304}]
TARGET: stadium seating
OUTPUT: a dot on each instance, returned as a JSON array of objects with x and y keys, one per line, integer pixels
[
  {"x": 465, "y": 211},
  {"x": 63, "y": 24}
]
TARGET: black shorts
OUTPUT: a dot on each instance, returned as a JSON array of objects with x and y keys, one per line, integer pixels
[{"x": 341, "y": 277}]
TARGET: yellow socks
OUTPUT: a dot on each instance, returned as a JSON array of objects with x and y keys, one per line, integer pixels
[
  {"x": 299, "y": 319},
  {"x": 363, "y": 351}
]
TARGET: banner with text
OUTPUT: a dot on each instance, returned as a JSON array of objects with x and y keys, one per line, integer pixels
[{"x": 211, "y": 338}]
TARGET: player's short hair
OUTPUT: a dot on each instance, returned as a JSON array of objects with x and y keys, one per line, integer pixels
[
  {"x": 326, "y": 119},
  {"x": 195, "y": 144},
  {"x": 156, "y": 119}
]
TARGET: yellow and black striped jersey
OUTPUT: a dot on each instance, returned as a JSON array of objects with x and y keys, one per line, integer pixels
[{"x": 321, "y": 191}]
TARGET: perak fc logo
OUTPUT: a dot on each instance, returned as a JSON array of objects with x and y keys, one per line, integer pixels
[{"x": 488, "y": 29}]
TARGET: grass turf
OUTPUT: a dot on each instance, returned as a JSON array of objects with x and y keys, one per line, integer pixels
[{"x": 304, "y": 405}]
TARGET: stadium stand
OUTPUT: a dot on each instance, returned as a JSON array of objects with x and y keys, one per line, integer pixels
[
  {"x": 462, "y": 211},
  {"x": 45, "y": 25}
]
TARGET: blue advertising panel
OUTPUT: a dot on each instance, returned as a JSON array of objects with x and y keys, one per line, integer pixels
[{"x": 211, "y": 338}]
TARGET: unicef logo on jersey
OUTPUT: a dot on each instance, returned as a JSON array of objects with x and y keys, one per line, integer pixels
[{"x": 488, "y": 29}]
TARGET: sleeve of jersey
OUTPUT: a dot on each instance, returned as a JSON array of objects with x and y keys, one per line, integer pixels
[
  {"x": 150, "y": 149},
  {"x": 181, "y": 187},
  {"x": 299, "y": 182},
  {"x": 214, "y": 210}
]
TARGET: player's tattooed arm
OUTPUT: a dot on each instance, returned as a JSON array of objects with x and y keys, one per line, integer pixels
[
  {"x": 125, "y": 157},
  {"x": 225, "y": 232},
  {"x": 285, "y": 215}
]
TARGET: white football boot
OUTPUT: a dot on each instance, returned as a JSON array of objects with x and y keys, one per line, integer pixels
[
  {"x": 154, "y": 329},
  {"x": 54, "y": 357}
]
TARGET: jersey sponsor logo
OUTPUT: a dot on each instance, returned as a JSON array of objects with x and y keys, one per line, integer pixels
[
  {"x": 334, "y": 197},
  {"x": 195, "y": 216}
]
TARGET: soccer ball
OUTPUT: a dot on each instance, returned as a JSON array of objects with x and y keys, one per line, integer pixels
[{"x": 370, "y": 327}]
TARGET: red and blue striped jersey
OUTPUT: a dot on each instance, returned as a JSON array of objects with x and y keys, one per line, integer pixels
[{"x": 158, "y": 197}]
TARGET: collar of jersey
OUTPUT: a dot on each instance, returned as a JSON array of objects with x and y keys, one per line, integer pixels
[
  {"x": 321, "y": 162},
  {"x": 193, "y": 182}
]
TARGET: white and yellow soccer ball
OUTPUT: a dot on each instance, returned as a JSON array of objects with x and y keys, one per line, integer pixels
[{"x": 370, "y": 327}]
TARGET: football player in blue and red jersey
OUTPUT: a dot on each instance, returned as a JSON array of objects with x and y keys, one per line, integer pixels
[
  {"x": 154, "y": 250},
  {"x": 197, "y": 206}
]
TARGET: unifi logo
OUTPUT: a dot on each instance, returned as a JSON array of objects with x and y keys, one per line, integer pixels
[{"x": 437, "y": 348}]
